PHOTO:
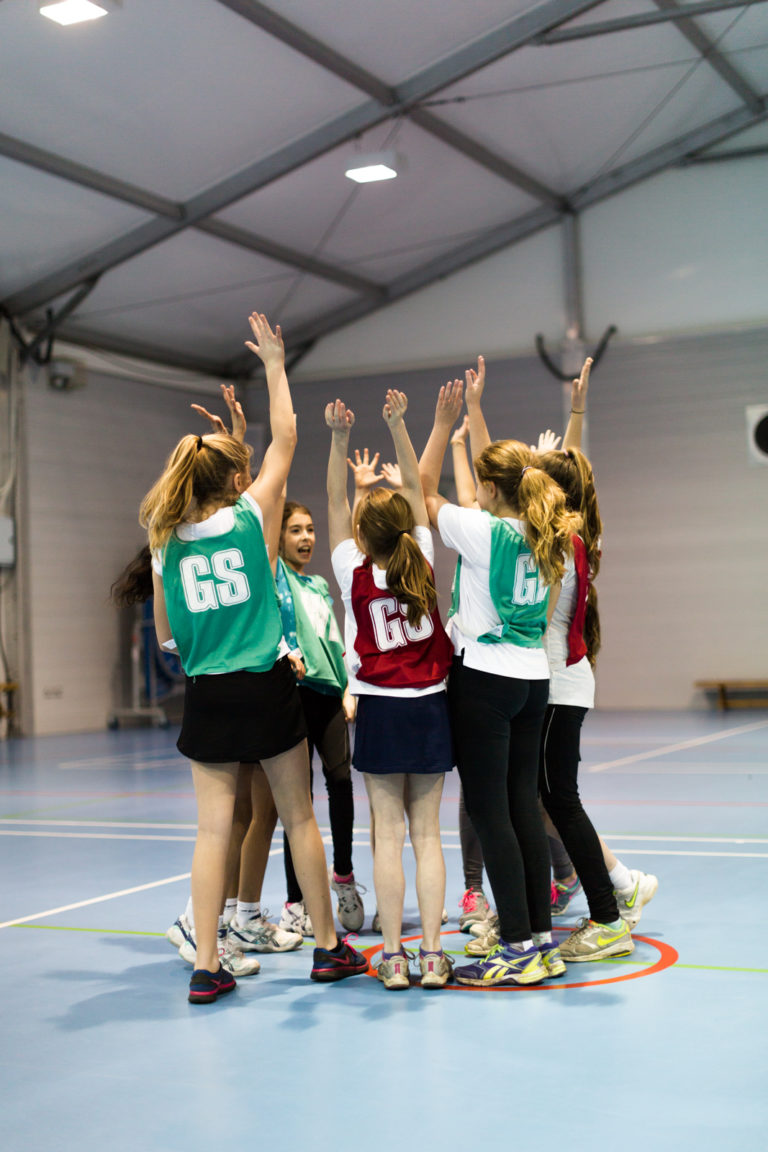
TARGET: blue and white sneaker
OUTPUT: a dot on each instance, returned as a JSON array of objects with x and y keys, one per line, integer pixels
[
  {"x": 258, "y": 935},
  {"x": 179, "y": 932},
  {"x": 552, "y": 960},
  {"x": 504, "y": 965}
]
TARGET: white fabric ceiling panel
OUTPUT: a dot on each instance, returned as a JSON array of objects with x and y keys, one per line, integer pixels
[
  {"x": 171, "y": 96},
  {"x": 397, "y": 38},
  {"x": 739, "y": 28},
  {"x": 46, "y": 222},
  {"x": 440, "y": 193}
]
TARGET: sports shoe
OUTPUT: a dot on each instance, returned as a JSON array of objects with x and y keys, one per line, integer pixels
[
  {"x": 552, "y": 959},
  {"x": 474, "y": 908},
  {"x": 503, "y": 965},
  {"x": 295, "y": 918},
  {"x": 483, "y": 927},
  {"x": 593, "y": 941},
  {"x": 436, "y": 969},
  {"x": 349, "y": 909},
  {"x": 376, "y": 922},
  {"x": 394, "y": 973},
  {"x": 328, "y": 965},
  {"x": 631, "y": 901},
  {"x": 562, "y": 894},
  {"x": 235, "y": 962},
  {"x": 205, "y": 986},
  {"x": 179, "y": 931},
  {"x": 258, "y": 935},
  {"x": 482, "y": 945},
  {"x": 444, "y": 916}
]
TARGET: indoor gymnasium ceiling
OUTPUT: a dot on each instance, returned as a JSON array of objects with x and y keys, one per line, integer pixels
[{"x": 178, "y": 163}]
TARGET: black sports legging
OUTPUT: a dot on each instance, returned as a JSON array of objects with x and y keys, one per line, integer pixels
[
  {"x": 559, "y": 788},
  {"x": 496, "y": 723},
  {"x": 328, "y": 733}
]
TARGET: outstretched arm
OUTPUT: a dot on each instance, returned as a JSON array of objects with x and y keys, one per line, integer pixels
[
  {"x": 365, "y": 474},
  {"x": 462, "y": 471},
  {"x": 235, "y": 412},
  {"x": 268, "y": 346},
  {"x": 479, "y": 436},
  {"x": 447, "y": 411},
  {"x": 340, "y": 420},
  {"x": 573, "y": 432},
  {"x": 394, "y": 415}
]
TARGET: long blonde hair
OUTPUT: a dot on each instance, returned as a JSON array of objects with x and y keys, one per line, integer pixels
[
  {"x": 538, "y": 499},
  {"x": 197, "y": 472},
  {"x": 573, "y": 472},
  {"x": 384, "y": 523}
]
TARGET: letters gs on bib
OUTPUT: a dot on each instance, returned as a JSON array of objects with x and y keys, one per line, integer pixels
[
  {"x": 390, "y": 625},
  {"x": 527, "y": 589},
  {"x": 214, "y": 583}
]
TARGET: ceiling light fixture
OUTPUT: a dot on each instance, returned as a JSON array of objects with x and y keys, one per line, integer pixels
[
  {"x": 367, "y": 167},
  {"x": 77, "y": 11}
]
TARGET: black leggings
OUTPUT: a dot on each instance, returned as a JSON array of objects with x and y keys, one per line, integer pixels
[
  {"x": 496, "y": 722},
  {"x": 558, "y": 784},
  {"x": 328, "y": 733}
]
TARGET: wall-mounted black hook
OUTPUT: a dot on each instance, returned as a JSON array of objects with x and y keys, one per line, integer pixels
[{"x": 596, "y": 355}]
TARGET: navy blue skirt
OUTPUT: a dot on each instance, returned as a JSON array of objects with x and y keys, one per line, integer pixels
[{"x": 403, "y": 734}]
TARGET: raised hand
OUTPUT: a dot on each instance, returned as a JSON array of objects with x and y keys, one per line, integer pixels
[
  {"x": 461, "y": 433},
  {"x": 548, "y": 442},
  {"x": 395, "y": 407},
  {"x": 338, "y": 417},
  {"x": 267, "y": 345},
  {"x": 475, "y": 382},
  {"x": 235, "y": 412},
  {"x": 364, "y": 470},
  {"x": 580, "y": 389},
  {"x": 449, "y": 403},
  {"x": 391, "y": 474}
]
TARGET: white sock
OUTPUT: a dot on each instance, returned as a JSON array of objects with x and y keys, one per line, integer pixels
[
  {"x": 521, "y": 945},
  {"x": 246, "y": 912},
  {"x": 620, "y": 877},
  {"x": 189, "y": 913},
  {"x": 540, "y": 938},
  {"x": 230, "y": 907}
]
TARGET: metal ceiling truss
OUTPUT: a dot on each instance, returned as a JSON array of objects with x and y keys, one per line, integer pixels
[
  {"x": 626, "y": 23},
  {"x": 535, "y": 26}
]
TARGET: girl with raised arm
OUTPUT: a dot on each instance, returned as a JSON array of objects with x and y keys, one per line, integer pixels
[
  {"x": 398, "y": 656},
  {"x": 215, "y": 602},
  {"x": 512, "y": 549}
]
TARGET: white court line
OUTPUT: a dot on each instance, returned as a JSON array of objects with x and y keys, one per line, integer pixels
[
  {"x": 108, "y": 896},
  {"x": 688, "y": 839},
  {"x": 628, "y": 850},
  {"x": 677, "y": 747},
  {"x": 95, "y": 836},
  {"x": 92, "y": 823}
]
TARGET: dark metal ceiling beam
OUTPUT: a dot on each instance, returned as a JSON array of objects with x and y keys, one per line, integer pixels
[
  {"x": 472, "y": 57},
  {"x": 86, "y": 177},
  {"x": 138, "y": 350},
  {"x": 626, "y": 23},
  {"x": 702, "y": 43},
  {"x": 284, "y": 255},
  {"x": 731, "y": 154}
]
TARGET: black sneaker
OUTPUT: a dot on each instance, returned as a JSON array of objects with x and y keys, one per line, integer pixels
[
  {"x": 205, "y": 987},
  {"x": 328, "y": 965}
]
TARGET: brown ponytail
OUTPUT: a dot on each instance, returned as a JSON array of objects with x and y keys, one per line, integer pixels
[{"x": 384, "y": 522}]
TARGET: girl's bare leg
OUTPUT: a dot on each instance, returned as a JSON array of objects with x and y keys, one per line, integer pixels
[
  {"x": 386, "y": 797},
  {"x": 215, "y": 787},
  {"x": 424, "y": 794},
  {"x": 241, "y": 821},
  {"x": 258, "y": 838},
  {"x": 288, "y": 777}
]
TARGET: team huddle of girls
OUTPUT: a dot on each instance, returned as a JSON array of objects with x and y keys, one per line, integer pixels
[{"x": 501, "y": 695}]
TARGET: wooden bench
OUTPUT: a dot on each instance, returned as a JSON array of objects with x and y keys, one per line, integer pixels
[{"x": 737, "y": 693}]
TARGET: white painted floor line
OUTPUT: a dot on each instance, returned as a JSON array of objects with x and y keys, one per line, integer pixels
[
  {"x": 94, "y": 823},
  {"x": 688, "y": 839},
  {"x": 665, "y": 749},
  {"x": 94, "y": 836},
  {"x": 628, "y": 850}
]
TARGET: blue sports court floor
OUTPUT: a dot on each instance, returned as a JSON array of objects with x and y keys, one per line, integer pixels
[{"x": 100, "y": 1049}]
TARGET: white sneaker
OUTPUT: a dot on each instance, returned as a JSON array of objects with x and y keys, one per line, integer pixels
[
  {"x": 394, "y": 973},
  {"x": 258, "y": 935},
  {"x": 483, "y": 927},
  {"x": 349, "y": 909},
  {"x": 296, "y": 919},
  {"x": 178, "y": 932},
  {"x": 235, "y": 962},
  {"x": 474, "y": 908},
  {"x": 631, "y": 901},
  {"x": 482, "y": 945},
  {"x": 436, "y": 969},
  {"x": 376, "y": 922}
]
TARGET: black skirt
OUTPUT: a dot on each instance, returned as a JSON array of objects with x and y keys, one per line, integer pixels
[{"x": 403, "y": 734}]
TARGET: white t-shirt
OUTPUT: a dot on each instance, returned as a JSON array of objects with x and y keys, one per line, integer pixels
[
  {"x": 574, "y": 685},
  {"x": 468, "y": 532},
  {"x": 345, "y": 559}
]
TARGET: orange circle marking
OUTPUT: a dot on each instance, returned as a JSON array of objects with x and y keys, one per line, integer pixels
[{"x": 667, "y": 957}]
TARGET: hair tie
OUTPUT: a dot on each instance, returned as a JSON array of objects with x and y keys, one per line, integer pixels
[
  {"x": 199, "y": 443},
  {"x": 526, "y": 469},
  {"x": 402, "y": 532}
]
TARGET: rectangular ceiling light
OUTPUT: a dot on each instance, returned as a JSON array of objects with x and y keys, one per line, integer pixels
[
  {"x": 367, "y": 167},
  {"x": 75, "y": 11}
]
